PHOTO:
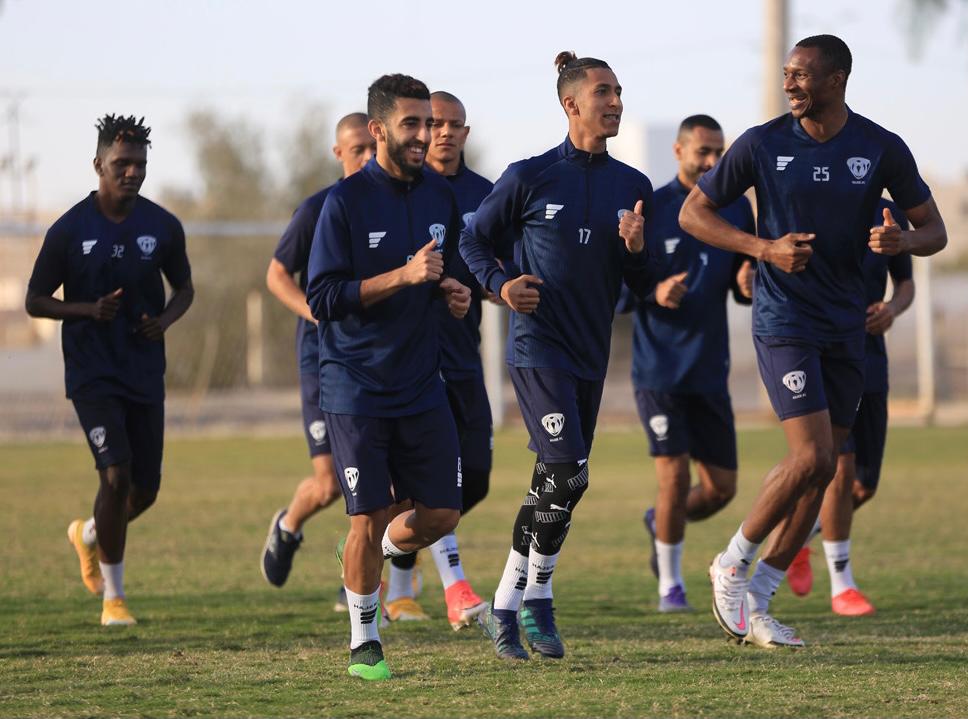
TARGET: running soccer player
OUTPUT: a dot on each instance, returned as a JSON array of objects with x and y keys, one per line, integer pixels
[
  {"x": 859, "y": 463},
  {"x": 576, "y": 220},
  {"x": 384, "y": 240},
  {"x": 460, "y": 366},
  {"x": 109, "y": 252},
  {"x": 354, "y": 147},
  {"x": 818, "y": 173},
  {"x": 680, "y": 361}
]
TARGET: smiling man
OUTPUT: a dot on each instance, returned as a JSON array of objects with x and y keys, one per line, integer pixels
[
  {"x": 575, "y": 219},
  {"x": 378, "y": 266},
  {"x": 819, "y": 173},
  {"x": 109, "y": 252}
]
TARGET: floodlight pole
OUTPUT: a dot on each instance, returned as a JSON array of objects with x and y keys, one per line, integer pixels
[{"x": 924, "y": 318}]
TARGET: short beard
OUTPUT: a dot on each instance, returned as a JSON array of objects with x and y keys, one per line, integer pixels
[{"x": 398, "y": 154}]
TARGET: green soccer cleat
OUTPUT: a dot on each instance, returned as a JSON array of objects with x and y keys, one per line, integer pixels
[
  {"x": 538, "y": 621},
  {"x": 367, "y": 662}
]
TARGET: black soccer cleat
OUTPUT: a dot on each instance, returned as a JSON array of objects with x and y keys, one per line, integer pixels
[{"x": 278, "y": 552}]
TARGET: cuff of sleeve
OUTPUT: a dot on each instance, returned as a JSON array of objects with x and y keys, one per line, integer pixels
[
  {"x": 350, "y": 296},
  {"x": 497, "y": 282}
]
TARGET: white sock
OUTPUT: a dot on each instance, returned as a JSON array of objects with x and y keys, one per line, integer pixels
[
  {"x": 540, "y": 569},
  {"x": 113, "y": 580},
  {"x": 740, "y": 552},
  {"x": 89, "y": 534},
  {"x": 813, "y": 532},
  {"x": 389, "y": 548},
  {"x": 838, "y": 564},
  {"x": 286, "y": 528},
  {"x": 670, "y": 566},
  {"x": 763, "y": 586},
  {"x": 510, "y": 591},
  {"x": 364, "y": 617},
  {"x": 447, "y": 559},
  {"x": 401, "y": 583}
]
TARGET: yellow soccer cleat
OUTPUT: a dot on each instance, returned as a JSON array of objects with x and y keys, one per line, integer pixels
[
  {"x": 90, "y": 569},
  {"x": 405, "y": 609},
  {"x": 115, "y": 614}
]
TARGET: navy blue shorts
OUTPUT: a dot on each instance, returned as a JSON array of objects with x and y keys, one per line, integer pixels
[
  {"x": 314, "y": 424},
  {"x": 803, "y": 377},
  {"x": 382, "y": 460},
  {"x": 472, "y": 415},
  {"x": 559, "y": 410},
  {"x": 868, "y": 437},
  {"x": 119, "y": 431},
  {"x": 700, "y": 425}
]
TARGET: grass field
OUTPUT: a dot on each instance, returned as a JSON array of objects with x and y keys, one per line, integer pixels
[{"x": 214, "y": 639}]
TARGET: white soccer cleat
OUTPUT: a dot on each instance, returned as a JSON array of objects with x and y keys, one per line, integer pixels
[
  {"x": 768, "y": 633},
  {"x": 730, "y": 606}
]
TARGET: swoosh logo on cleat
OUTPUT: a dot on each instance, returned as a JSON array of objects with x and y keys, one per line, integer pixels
[{"x": 741, "y": 624}]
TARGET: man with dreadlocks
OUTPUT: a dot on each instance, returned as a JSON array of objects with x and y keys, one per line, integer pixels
[
  {"x": 109, "y": 252},
  {"x": 576, "y": 219}
]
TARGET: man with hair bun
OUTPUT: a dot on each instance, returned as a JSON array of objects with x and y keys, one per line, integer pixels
[
  {"x": 109, "y": 252},
  {"x": 680, "y": 361},
  {"x": 819, "y": 173},
  {"x": 575, "y": 218},
  {"x": 353, "y": 149},
  {"x": 380, "y": 262}
]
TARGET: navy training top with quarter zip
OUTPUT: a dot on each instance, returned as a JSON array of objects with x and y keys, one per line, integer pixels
[
  {"x": 382, "y": 360},
  {"x": 91, "y": 256},
  {"x": 686, "y": 350},
  {"x": 560, "y": 213},
  {"x": 460, "y": 339},
  {"x": 876, "y": 269},
  {"x": 827, "y": 188},
  {"x": 293, "y": 252}
]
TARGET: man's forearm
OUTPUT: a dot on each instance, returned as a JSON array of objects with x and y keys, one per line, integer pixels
[
  {"x": 699, "y": 218},
  {"x": 180, "y": 301},
  {"x": 55, "y": 309},
  {"x": 902, "y": 297},
  {"x": 376, "y": 289}
]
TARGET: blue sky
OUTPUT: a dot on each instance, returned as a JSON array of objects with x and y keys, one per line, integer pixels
[{"x": 73, "y": 61}]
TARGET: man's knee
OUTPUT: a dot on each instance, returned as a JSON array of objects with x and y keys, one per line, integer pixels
[
  {"x": 476, "y": 486},
  {"x": 814, "y": 465},
  {"x": 140, "y": 499},
  {"x": 117, "y": 479},
  {"x": 435, "y": 523}
]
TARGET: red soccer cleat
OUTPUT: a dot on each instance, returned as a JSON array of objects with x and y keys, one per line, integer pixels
[
  {"x": 800, "y": 573},
  {"x": 852, "y": 603},
  {"x": 463, "y": 605}
]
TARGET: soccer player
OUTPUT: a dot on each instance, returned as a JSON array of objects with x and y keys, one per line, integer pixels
[
  {"x": 109, "y": 252},
  {"x": 680, "y": 360},
  {"x": 818, "y": 173},
  {"x": 460, "y": 366},
  {"x": 354, "y": 147},
  {"x": 859, "y": 463},
  {"x": 384, "y": 240},
  {"x": 576, "y": 220}
]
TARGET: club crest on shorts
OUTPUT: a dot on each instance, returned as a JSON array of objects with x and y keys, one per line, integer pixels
[
  {"x": 147, "y": 244},
  {"x": 317, "y": 430},
  {"x": 352, "y": 475},
  {"x": 858, "y": 166},
  {"x": 660, "y": 425},
  {"x": 795, "y": 381},
  {"x": 438, "y": 232},
  {"x": 98, "y": 435},
  {"x": 553, "y": 423}
]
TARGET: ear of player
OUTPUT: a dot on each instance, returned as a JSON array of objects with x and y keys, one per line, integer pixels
[
  {"x": 888, "y": 238},
  {"x": 631, "y": 228}
]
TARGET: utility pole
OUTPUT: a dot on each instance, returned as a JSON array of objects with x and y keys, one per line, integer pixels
[{"x": 776, "y": 31}]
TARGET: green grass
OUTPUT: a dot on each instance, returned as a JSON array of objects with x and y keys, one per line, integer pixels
[{"x": 214, "y": 639}]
